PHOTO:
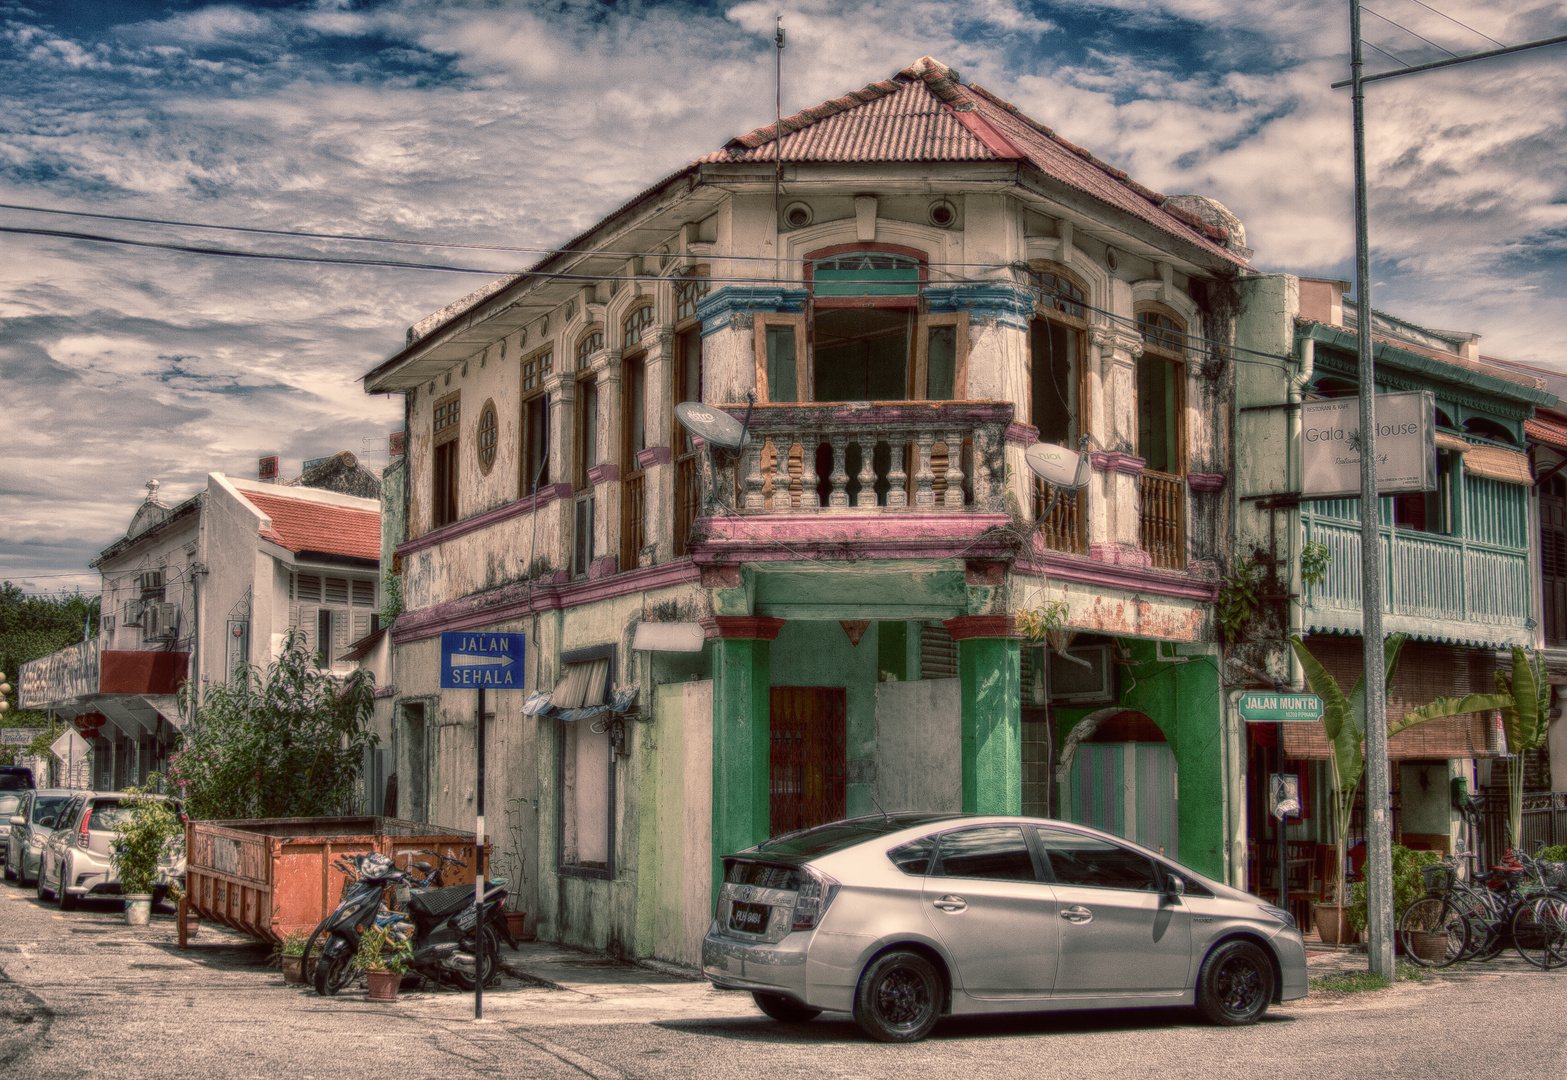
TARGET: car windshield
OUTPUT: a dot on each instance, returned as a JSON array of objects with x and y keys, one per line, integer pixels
[
  {"x": 826, "y": 839},
  {"x": 47, "y": 806},
  {"x": 14, "y": 781},
  {"x": 108, "y": 816},
  {"x": 9, "y": 803}
]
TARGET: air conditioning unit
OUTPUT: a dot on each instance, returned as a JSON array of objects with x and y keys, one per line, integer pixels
[
  {"x": 132, "y": 613},
  {"x": 106, "y": 624},
  {"x": 160, "y": 620},
  {"x": 1084, "y": 676}
]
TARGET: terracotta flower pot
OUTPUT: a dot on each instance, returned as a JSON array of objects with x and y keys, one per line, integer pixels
[
  {"x": 516, "y": 923},
  {"x": 384, "y": 984},
  {"x": 294, "y": 970},
  {"x": 1332, "y": 923}
]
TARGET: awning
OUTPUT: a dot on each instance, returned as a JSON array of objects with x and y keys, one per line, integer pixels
[
  {"x": 1444, "y": 441},
  {"x": 1496, "y": 463},
  {"x": 540, "y": 703}
]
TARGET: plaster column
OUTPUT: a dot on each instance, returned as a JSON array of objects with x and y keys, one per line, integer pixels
[
  {"x": 658, "y": 482},
  {"x": 1115, "y": 529},
  {"x": 742, "y": 732},
  {"x": 562, "y": 390},
  {"x": 605, "y": 476},
  {"x": 989, "y": 669}
]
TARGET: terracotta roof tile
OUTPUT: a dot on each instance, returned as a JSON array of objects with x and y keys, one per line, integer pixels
[
  {"x": 924, "y": 113},
  {"x": 1552, "y": 433},
  {"x": 304, "y": 525}
]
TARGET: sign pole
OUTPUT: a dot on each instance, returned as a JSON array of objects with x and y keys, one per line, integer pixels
[{"x": 478, "y": 877}]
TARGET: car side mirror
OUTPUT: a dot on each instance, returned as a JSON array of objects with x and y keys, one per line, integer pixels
[
  {"x": 1174, "y": 885},
  {"x": 17, "y": 819}
]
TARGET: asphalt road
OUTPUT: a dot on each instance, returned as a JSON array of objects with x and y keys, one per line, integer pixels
[{"x": 84, "y": 995}]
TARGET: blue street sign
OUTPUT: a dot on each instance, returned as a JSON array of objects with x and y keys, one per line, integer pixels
[{"x": 478, "y": 658}]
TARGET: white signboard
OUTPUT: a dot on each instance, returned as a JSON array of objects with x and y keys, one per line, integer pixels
[
  {"x": 1406, "y": 445},
  {"x": 61, "y": 676}
]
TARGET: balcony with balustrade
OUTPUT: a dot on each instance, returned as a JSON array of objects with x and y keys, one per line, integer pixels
[{"x": 1467, "y": 585}]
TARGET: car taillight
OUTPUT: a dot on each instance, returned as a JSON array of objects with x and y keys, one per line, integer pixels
[
  {"x": 810, "y": 903},
  {"x": 82, "y": 838}
]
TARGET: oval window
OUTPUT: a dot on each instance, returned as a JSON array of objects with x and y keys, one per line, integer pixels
[{"x": 487, "y": 436}]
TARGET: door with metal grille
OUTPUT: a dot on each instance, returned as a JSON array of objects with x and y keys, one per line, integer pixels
[{"x": 809, "y": 758}]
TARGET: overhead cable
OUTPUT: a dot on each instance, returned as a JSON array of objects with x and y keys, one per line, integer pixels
[{"x": 1455, "y": 22}]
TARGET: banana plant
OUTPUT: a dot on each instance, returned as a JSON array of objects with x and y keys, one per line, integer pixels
[
  {"x": 1344, "y": 724},
  {"x": 1525, "y": 719}
]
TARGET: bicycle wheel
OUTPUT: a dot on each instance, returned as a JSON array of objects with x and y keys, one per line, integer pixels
[
  {"x": 1433, "y": 933},
  {"x": 1540, "y": 930}
]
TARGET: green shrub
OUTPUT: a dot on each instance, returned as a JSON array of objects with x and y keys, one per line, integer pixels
[
  {"x": 1409, "y": 885},
  {"x": 1555, "y": 854},
  {"x": 153, "y": 833}
]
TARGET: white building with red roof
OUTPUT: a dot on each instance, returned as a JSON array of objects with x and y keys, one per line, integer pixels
[{"x": 193, "y": 589}]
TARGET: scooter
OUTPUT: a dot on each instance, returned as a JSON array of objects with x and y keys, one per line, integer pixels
[{"x": 441, "y": 926}]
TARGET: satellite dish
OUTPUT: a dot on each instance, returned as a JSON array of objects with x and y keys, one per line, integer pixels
[
  {"x": 1059, "y": 466},
  {"x": 714, "y": 425}
]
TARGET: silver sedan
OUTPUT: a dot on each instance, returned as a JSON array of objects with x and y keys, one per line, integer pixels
[{"x": 901, "y": 919}]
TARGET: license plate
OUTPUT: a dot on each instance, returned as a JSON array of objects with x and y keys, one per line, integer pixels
[{"x": 749, "y": 918}]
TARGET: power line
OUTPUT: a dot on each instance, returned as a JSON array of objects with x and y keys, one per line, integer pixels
[
  {"x": 1391, "y": 56},
  {"x": 1455, "y": 22},
  {"x": 545, "y": 275},
  {"x": 1406, "y": 30}
]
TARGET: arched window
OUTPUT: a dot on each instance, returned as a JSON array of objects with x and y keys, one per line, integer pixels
[
  {"x": 1161, "y": 383},
  {"x": 689, "y": 291},
  {"x": 864, "y": 325},
  {"x": 636, "y": 324},
  {"x": 1488, "y": 429},
  {"x": 590, "y": 343},
  {"x": 1059, "y": 292},
  {"x": 1327, "y": 386}
]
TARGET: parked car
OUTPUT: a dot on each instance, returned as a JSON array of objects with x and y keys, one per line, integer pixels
[
  {"x": 9, "y": 801},
  {"x": 29, "y": 826},
  {"x": 76, "y": 859},
  {"x": 903, "y": 918},
  {"x": 16, "y": 778}
]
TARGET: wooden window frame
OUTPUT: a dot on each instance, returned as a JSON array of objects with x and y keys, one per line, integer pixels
[
  {"x": 581, "y": 352},
  {"x": 581, "y": 432},
  {"x": 631, "y": 472},
  {"x": 440, "y": 483},
  {"x": 642, "y": 330},
  {"x": 1180, "y": 360},
  {"x": 543, "y": 362},
  {"x": 802, "y": 367},
  {"x": 576, "y": 656},
  {"x": 1048, "y": 312},
  {"x": 920, "y": 379}
]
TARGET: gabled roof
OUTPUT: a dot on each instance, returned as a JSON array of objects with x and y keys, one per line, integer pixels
[
  {"x": 924, "y": 113},
  {"x": 302, "y": 525}
]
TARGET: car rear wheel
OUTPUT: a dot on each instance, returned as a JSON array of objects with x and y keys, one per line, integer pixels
[
  {"x": 1236, "y": 984},
  {"x": 785, "y": 1010},
  {"x": 899, "y": 997}
]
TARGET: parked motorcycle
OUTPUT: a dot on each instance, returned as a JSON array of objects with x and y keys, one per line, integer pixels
[{"x": 440, "y": 925}]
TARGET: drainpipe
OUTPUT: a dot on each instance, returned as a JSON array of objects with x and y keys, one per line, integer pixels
[{"x": 1297, "y": 609}]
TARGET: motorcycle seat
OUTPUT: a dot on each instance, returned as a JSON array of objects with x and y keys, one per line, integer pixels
[{"x": 440, "y": 902}]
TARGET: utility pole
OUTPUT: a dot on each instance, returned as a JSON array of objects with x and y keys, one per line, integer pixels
[{"x": 1379, "y": 824}]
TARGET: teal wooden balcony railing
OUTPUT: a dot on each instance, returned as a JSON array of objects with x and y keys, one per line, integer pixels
[{"x": 1479, "y": 577}]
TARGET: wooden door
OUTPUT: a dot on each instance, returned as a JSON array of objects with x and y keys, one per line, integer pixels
[{"x": 809, "y": 758}]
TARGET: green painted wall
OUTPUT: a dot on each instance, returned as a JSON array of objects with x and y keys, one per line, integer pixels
[{"x": 741, "y": 734}]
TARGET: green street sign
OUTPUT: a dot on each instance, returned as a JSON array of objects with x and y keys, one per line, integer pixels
[{"x": 1273, "y": 707}]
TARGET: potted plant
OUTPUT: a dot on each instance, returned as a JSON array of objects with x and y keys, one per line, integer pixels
[
  {"x": 291, "y": 951},
  {"x": 382, "y": 957},
  {"x": 1344, "y": 724},
  {"x": 514, "y": 862},
  {"x": 1408, "y": 886},
  {"x": 143, "y": 844}
]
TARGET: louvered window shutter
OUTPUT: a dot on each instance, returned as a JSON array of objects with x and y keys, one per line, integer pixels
[{"x": 938, "y": 652}]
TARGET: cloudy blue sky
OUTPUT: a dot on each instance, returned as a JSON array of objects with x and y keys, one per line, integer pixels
[{"x": 507, "y": 122}]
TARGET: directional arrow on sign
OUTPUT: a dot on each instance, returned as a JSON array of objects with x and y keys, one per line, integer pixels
[{"x": 478, "y": 660}]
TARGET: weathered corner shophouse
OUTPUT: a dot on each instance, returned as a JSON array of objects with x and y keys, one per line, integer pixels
[
  {"x": 941, "y": 283},
  {"x": 1458, "y": 568}
]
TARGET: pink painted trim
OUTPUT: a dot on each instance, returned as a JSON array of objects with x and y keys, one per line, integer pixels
[
  {"x": 1120, "y": 556},
  {"x": 603, "y": 568},
  {"x": 980, "y": 128},
  {"x": 828, "y": 536},
  {"x": 1061, "y": 567},
  {"x": 654, "y": 455},
  {"x": 1022, "y": 434},
  {"x": 547, "y": 494},
  {"x": 1115, "y": 461},
  {"x": 1198, "y": 481},
  {"x": 510, "y": 602},
  {"x": 607, "y": 473}
]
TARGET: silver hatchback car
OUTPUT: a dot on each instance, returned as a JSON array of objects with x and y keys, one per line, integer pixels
[
  {"x": 903, "y": 918},
  {"x": 28, "y": 828},
  {"x": 77, "y": 860}
]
